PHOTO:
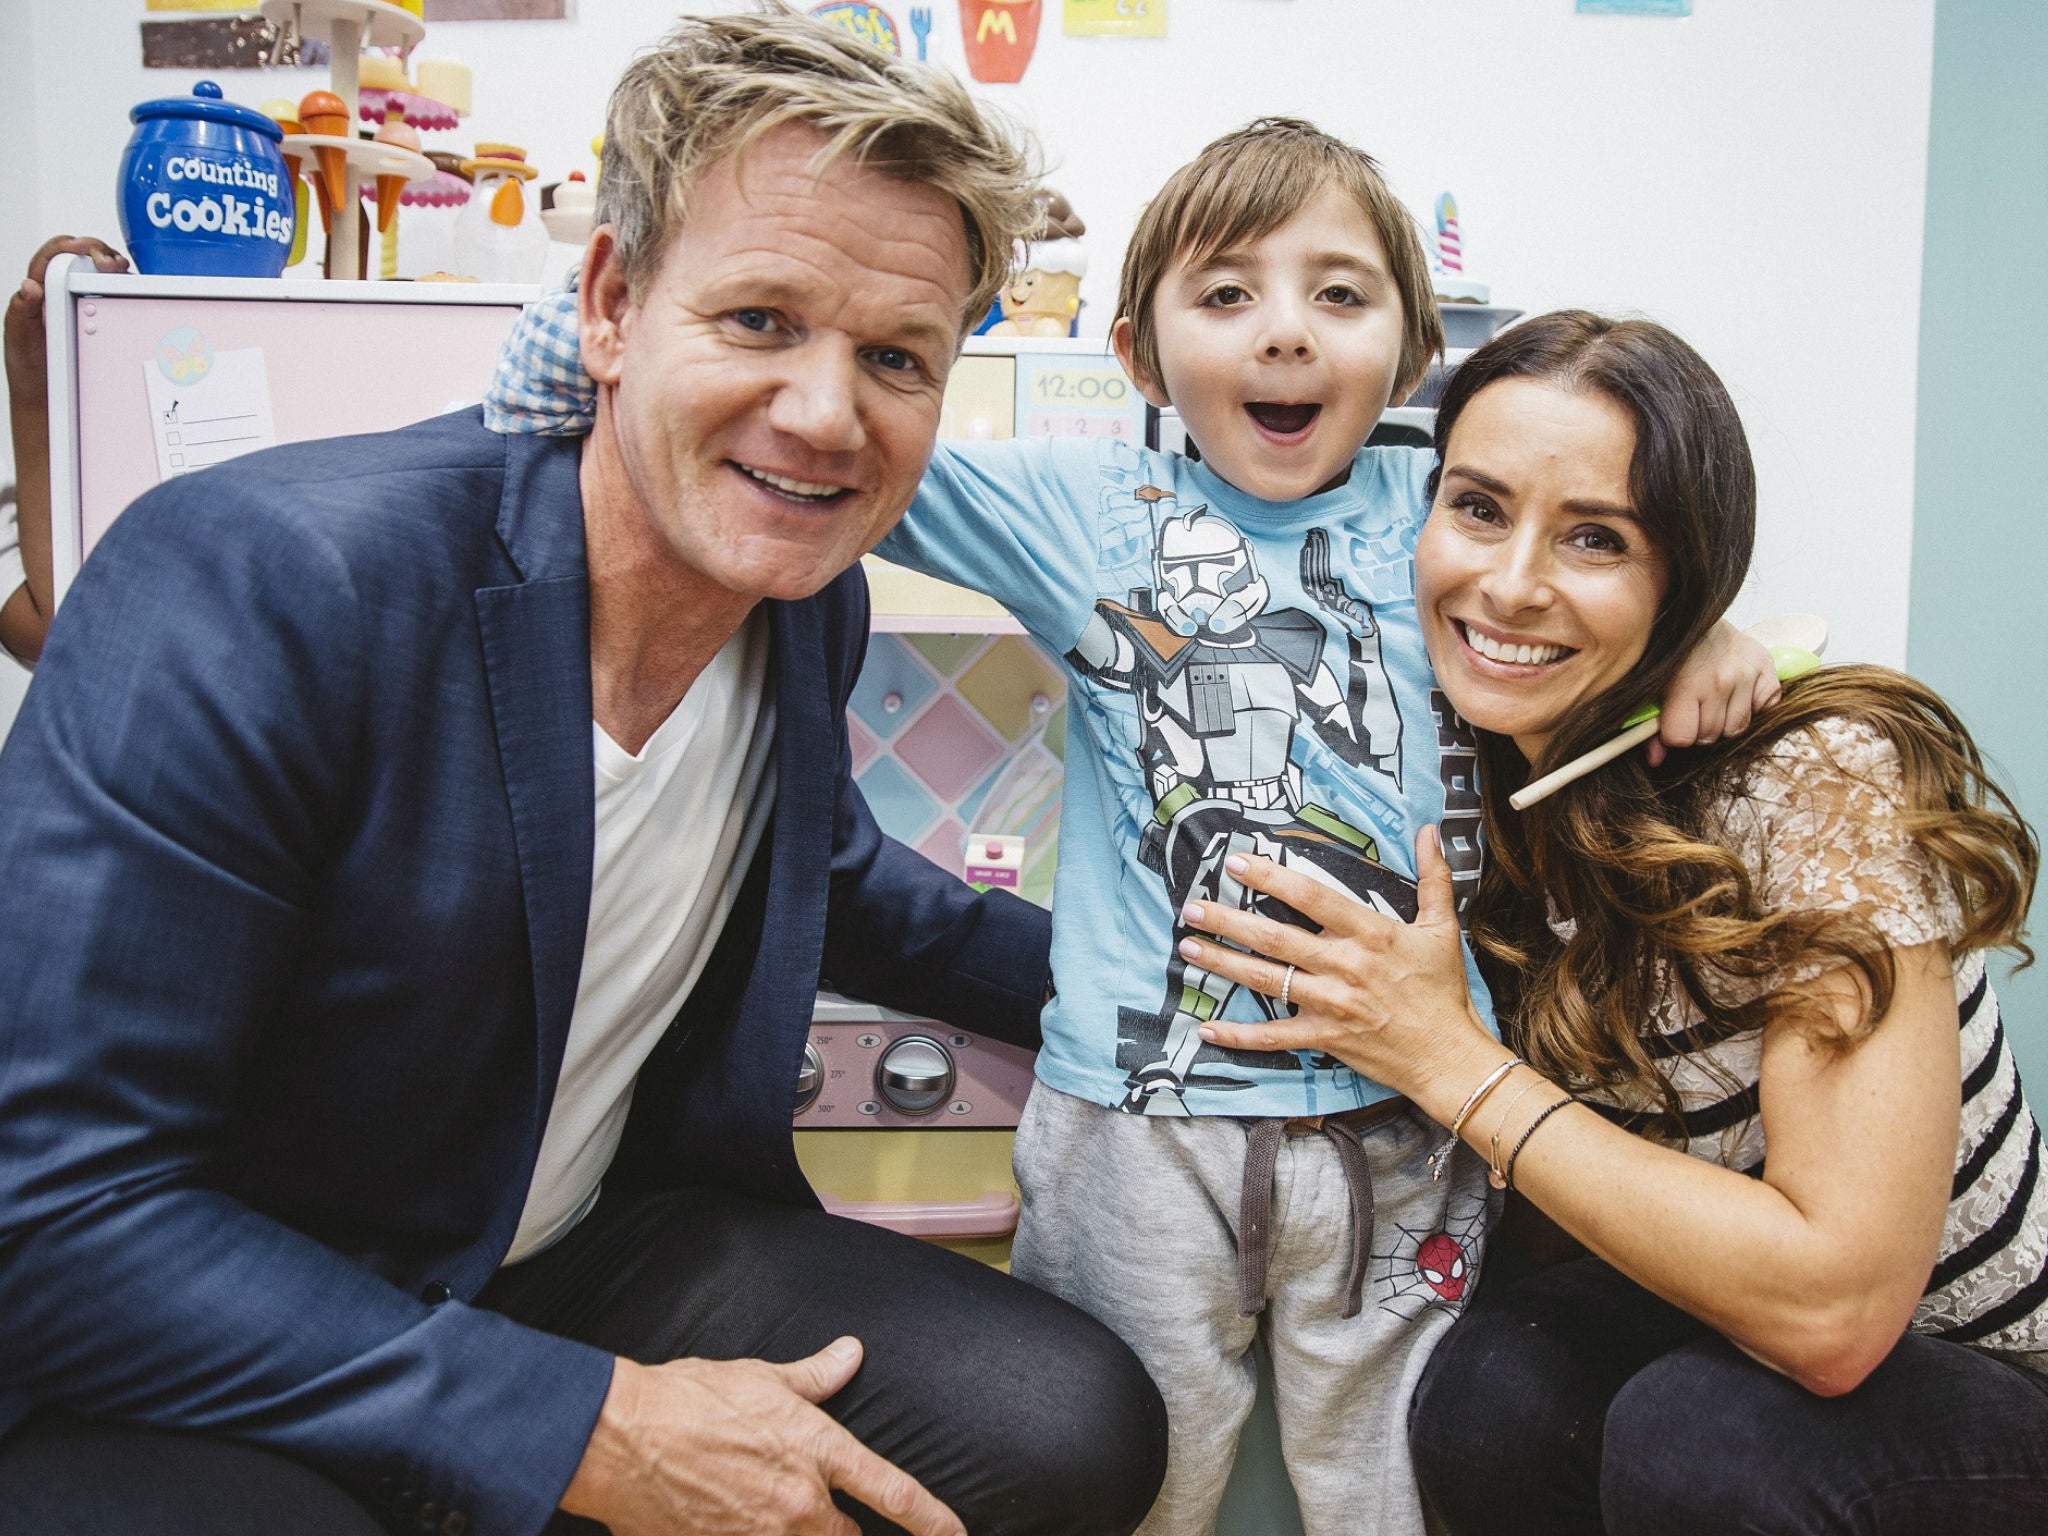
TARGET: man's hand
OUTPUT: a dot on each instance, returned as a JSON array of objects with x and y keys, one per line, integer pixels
[
  {"x": 738, "y": 1448},
  {"x": 1726, "y": 679}
]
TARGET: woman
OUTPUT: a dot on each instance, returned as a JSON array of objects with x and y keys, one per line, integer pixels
[{"x": 1770, "y": 944}]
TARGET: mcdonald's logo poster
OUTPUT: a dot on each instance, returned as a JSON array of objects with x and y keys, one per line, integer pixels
[{"x": 1000, "y": 36}]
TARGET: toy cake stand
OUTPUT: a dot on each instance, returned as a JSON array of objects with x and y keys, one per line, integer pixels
[
  {"x": 414, "y": 110},
  {"x": 350, "y": 26},
  {"x": 443, "y": 189},
  {"x": 367, "y": 160}
]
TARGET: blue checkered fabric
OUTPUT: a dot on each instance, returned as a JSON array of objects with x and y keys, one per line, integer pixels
[{"x": 540, "y": 386}]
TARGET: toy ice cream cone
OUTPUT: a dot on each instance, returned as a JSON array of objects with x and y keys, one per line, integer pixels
[
  {"x": 323, "y": 112},
  {"x": 285, "y": 115},
  {"x": 280, "y": 112},
  {"x": 388, "y": 187}
]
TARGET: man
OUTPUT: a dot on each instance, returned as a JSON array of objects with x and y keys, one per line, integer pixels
[{"x": 397, "y": 1074}]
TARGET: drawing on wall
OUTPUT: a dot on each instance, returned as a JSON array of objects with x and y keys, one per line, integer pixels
[
  {"x": 1635, "y": 7},
  {"x": 216, "y": 42},
  {"x": 497, "y": 10},
  {"x": 1116, "y": 18},
  {"x": 1000, "y": 36},
  {"x": 870, "y": 23}
]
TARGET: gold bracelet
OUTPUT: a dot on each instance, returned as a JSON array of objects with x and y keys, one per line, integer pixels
[
  {"x": 1508, "y": 1178},
  {"x": 1495, "y": 1176},
  {"x": 1493, "y": 1080}
]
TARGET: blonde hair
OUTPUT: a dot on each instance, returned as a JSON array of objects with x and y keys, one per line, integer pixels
[
  {"x": 718, "y": 83},
  {"x": 1246, "y": 185}
]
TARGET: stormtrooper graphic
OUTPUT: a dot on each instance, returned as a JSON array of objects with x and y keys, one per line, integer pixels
[{"x": 1224, "y": 684}]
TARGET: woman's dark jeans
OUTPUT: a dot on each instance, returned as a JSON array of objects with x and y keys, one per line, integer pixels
[{"x": 1575, "y": 1401}]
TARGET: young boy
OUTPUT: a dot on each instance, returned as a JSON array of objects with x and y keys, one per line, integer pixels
[{"x": 1246, "y": 675}]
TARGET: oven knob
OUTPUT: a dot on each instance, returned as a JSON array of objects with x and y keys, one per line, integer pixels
[
  {"x": 915, "y": 1074},
  {"x": 810, "y": 1077}
]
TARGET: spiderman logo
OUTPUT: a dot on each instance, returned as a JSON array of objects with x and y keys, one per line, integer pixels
[
  {"x": 1441, "y": 1264},
  {"x": 1434, "y": 1269}
]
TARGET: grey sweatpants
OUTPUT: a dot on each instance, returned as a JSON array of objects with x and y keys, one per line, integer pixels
[{"x": 1133, "y": 1218}]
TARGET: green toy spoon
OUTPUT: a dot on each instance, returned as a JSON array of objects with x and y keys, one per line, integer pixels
[{"x": 1795, "y": 641}]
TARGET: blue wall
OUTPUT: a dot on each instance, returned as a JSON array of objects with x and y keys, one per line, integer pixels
[{"x": 1980, "y": 522}]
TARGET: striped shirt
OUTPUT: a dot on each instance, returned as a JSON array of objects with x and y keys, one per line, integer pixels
[{"x": 1817, "y": 823}]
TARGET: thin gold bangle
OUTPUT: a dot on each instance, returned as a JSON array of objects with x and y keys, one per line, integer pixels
[
  {"x": 1509, "y": 1176},
  {"x": 1506, "y": 1115},
  {"x": 1493, "y": 1080}
]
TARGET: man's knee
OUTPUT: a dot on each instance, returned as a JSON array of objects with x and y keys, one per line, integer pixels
[
  {"x": 1090, "y": 1432},
  {"x": 61, "y": 1476}
]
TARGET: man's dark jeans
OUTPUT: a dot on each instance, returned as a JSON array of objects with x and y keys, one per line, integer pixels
[{"x": 1022, "y": 1413}]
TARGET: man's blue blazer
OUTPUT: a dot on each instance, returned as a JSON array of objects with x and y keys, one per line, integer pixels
[{"x": 295, "y": 863}]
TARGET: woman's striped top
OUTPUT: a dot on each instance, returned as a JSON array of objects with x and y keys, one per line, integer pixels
[{"x": 1817, "y": 824}]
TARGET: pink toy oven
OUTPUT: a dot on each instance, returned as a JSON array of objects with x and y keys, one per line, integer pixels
[{"x": 872, "y": 1068}]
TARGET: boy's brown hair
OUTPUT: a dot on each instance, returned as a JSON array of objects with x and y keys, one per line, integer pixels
[{"x": 1246, "y": 185}]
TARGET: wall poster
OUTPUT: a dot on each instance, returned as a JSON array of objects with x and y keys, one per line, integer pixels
[{"x": 1116, "y": 18}]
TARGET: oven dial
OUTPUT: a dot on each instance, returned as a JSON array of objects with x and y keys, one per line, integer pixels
[
  {"x": 915, "y": 1074},
  {"x": 810, "y": 1078}
]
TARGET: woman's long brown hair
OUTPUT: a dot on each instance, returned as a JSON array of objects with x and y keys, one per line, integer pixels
[{"x": 1631, "y": 855}]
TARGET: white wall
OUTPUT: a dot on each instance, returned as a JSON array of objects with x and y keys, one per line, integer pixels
[{"x": 1753, "y": 176}]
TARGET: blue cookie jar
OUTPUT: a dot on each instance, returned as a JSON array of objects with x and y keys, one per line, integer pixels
[{"x": 204, "y": 192}]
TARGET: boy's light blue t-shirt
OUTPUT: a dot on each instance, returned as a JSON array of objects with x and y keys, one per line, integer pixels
[{"x": 1244, "y": 676}]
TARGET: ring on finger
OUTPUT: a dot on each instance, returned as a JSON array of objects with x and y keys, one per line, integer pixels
[{"x": 1286, "y": 985}]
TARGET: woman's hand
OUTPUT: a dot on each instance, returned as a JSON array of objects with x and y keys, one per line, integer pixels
[{"x": 1388, "y": 999}]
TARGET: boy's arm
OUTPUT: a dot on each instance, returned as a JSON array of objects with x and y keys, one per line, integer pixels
[
  {"x": 1016, "y": 520},
  {"x": 1726, "y": 679},
  {"x": 25, "y": 611}
]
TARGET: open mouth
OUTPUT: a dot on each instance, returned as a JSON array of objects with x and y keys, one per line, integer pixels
[
  {"x": 1510, "y": 653},
  {"x": 805, "y": 492},
  {"x": 1282, "y": 420}
]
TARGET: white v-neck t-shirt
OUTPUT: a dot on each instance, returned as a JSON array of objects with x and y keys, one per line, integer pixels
[{"x": 678, "y": 824}]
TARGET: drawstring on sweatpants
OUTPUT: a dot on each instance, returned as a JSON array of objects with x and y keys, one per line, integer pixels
[{"x": 1255, "y": 1206}]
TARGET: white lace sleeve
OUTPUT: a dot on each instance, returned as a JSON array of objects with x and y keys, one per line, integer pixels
[{"x": 1818, "y": 823}]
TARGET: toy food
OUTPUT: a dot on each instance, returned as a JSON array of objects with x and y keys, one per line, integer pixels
[
  {"x": 1044, "y": 298},
  {"x": 280, "y": 111},
  {"x": 1044, "y": 295},
  {"x": 1451, "y": 283},
  {"x": 574, "y": 207},
  {"x": 381, "y": 72},
  {"x": 389, "y": 187},
  {"x": 323, "y": 112},
  {"x": 444, "y": 81}
]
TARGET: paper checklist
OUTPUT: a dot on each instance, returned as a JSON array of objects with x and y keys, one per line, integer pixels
[{"x": 218, "y": 416}]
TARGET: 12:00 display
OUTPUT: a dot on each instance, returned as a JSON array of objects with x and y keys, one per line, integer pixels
[{"x": 1080, "y": 388}]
